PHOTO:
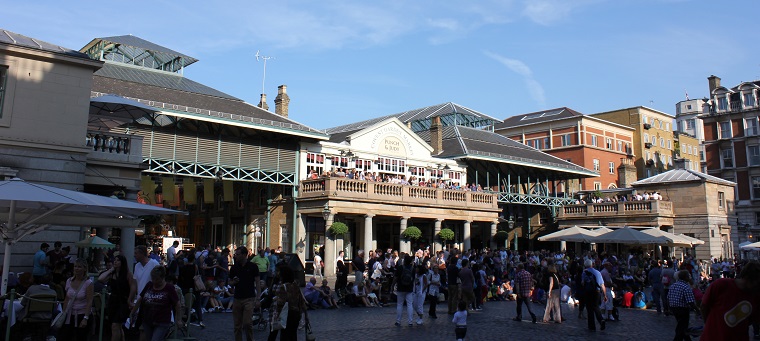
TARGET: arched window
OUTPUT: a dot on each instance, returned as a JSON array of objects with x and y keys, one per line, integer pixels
[{"x": 612, "y": 186}]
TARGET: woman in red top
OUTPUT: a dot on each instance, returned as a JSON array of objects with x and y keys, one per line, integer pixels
[
  {"x": 156, "y": 302},
  {"x": 729, "y": 306}
]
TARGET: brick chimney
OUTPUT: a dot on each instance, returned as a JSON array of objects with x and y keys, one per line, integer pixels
[
  {"x": 714, "y": 82},
  {"x": 263, "y": 103},
  {"x": 626, "y": 172},
  {"x": 281, "y": 101},
  {"x": 436, "y": 135}
]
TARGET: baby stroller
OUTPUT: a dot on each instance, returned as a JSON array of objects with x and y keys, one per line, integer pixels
[{"x": 260, "y": 315}]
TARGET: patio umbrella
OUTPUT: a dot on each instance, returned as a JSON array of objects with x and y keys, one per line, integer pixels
[
  {"x": 28, "y": 208},
  {"x": 694, "y": 241},
  {"x": 627, "y": 235},
  {"x": 111, "y": 111},
  {"x": 674, "y": 240},
  {"x": 753, "y": 246},
  {"x": 94, "y": 242},
  {"x": 570, "y": 234}
]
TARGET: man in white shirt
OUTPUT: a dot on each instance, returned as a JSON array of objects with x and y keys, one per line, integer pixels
[
  {"x": 171, "y": 252},
  {"x": 142, "y": 269}
]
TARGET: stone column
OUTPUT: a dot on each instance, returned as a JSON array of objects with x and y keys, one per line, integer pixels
[
  {"x": 403, "y": 244},
  {"x": 301, "y": 239},
  {"x": 466, "y": 236},
  {"x": 330, "y": 253},
  {"x": 367, "y": 236},
  {"x": 127, "y": 245},
  {"x": 492, "y": 244},
  {"x": 437, "y": 246}
]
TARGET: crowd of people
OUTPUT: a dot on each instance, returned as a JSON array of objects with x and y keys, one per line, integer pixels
[
  {"x": 399, "y": 179},
  {"x": 595, "y": 199},
  {"x": 247, "y": 284}
]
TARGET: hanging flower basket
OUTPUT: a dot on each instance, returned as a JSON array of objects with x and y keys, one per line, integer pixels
[
  {"x": 501, "y": 236},
  {"x": 446, "y": 234},
  {"x": 338, "y": 228},
  {"x": 412, "y": 233}
]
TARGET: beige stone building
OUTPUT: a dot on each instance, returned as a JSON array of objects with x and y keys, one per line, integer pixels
[
  {"x": 653, "y": 141},
  {"x": 44, "y": 105},
  {"x": 695, "y": 204}
]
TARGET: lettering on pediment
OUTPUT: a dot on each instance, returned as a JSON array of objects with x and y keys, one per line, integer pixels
[{"x": 392, "y": 141}]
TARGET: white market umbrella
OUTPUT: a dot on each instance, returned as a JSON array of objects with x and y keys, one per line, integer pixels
[
  {"x": 570, "y": 234},
  {"x": 627, "y": 235},
  {"x": 751, "y": 247},
  {"x": 694, "y": 241},
  {"x": 673, "y": 239},
  {"x": 27, "y": 208},
  {"x": 94, "y": 242}
]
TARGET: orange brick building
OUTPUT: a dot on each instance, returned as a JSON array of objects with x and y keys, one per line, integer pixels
[{"x": 584, "y": 140}]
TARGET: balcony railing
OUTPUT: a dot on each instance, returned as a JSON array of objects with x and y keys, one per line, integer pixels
[
  {"x": 621, "y": 208},
  {"x": 114, "y": 147},
  {"x": 342, "y": 188}
]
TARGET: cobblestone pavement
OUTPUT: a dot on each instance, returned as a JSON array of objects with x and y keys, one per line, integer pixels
[{"x": 494, "y": 322}]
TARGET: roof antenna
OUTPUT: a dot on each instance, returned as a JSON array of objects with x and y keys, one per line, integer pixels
[{"x": 259, "y": 57}]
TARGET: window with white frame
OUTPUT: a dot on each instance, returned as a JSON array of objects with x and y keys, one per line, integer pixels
[
  {"x": 388, "y": 165},
  {"x": 619, "y": 146},
  {"x": 659, "y": 124},
  {"x": 3, "y": 85},
  {"x": 753, "y": 154},
  {"x": 340, "y": 161},
  {"x": 609, "y": 144},
  {"x": 364, "y": 165},
  {"x": 596, "y": 165},
  {"x": 662, "y": 142},
  {"x": 721, "y": 201},
  {"x": 667, "y": 126},
  {"x": 455, "y": 176},
  {"x": 756, "y": 187},
  {"x": 530, "y": 143},
  {"x": 612, "y": 167},
  {"x": 749, "y": 100},
  {"x": 315, "y": 162},
  {"x": 646, "y": 138},
  {"x": 727, "y": 156},
  {"x": 723, "y": 103},
  {"x": 752, "y": 127},
  {"x": 597, "y": 186},
  {"x": 690, "y": 149},
  {"x": 670, "y": 144},
  {"x": 567, "y": 140},
  {"x": 648, "y": 156},
  {"x": 545, "y": 143},
  {"x": 594, "y": 140},
  {"x": 645, "y": 119},
  {"x": 725, "y": 130},
  {"x": 690, "y": 124},
  {"x": 417, "y": 171}
]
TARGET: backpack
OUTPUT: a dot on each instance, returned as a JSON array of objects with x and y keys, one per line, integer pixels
[
  {"x": 407, "y": 276},
  {"x": 589, "y": 282}
]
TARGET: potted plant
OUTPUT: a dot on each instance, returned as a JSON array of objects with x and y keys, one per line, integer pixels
[
  {"x": 501, "y": 236},
  {"x": 412, "y": 233},
  {"x": 446, "y": 235},
  {"x": 338, "y": 228}
]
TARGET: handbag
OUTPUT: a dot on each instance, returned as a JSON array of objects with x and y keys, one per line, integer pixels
[
  {"x": 198, "y": 283},
  {"x": 280, "y": 319},
  {"x": 441, "y": 297},
  {"x": 57, "y": 322}
]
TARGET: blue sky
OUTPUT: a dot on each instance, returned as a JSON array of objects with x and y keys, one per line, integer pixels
[{"x": 346, "y": 61}]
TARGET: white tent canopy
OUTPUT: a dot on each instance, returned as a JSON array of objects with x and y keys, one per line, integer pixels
[
  {"x": 627, "y": 235},
  {"x": 674, "y": 240},
  {"x": 751, "y": 246},
  {"x": 27, "y": 208},
  {"x": 571, "y": 234}
]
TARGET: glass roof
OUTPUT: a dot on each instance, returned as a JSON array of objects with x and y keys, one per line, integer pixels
[{"x": 137, "y": 51}]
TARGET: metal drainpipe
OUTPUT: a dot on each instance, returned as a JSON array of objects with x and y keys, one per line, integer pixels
[
  {"x": 269, "y": 208},
  {"x": 293, "y": 237}
]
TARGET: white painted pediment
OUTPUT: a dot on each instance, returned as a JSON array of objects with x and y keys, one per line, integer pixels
[{"x": 391, "y": 138}]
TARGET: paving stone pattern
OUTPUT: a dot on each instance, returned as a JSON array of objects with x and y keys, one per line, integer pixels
[{"x": 494, "y": 322}]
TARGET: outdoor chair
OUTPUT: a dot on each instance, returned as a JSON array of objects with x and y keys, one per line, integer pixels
[{"x": 39, "y": 305}]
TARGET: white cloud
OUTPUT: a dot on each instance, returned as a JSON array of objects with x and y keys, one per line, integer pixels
[
  {"x": 548, "y": 12},
  {"x": 533, "y": 86}
]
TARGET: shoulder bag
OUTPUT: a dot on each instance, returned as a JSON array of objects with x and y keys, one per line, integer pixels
[
  {"x": 198, "y": 281},
  {"x": 59, "y": 319}
]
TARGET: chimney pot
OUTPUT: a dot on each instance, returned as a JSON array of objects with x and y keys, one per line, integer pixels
[
  {"x": 714, "y": 83},
  {"x": 282, "y": 101},
  {"x": 263, "y": 102},
  {"x": 436, "y": 135}
]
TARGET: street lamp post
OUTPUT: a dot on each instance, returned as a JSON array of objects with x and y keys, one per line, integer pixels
[{"x": 511, "y": 224}]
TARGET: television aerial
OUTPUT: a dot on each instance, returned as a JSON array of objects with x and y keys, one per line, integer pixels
[{"x": 260, "y": 57}]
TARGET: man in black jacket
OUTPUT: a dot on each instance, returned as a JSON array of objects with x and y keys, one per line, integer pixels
[
  {"x": 359, "y": 266},
  {"x": 404, "y": 279}
]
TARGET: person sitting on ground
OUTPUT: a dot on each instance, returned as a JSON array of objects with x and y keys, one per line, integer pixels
[
  {"x": 223, "y": 295},
  {"x": 313, "y": 296},
  {"x": 361, "y": 294},
  {"x": 328, "y": 294}
]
